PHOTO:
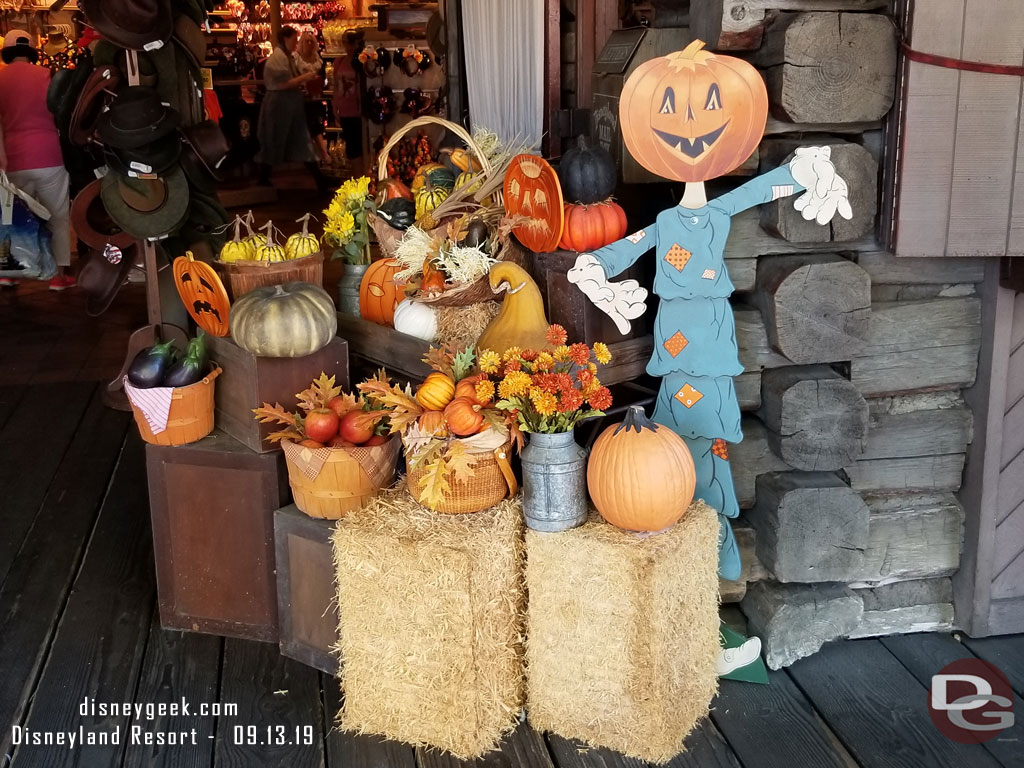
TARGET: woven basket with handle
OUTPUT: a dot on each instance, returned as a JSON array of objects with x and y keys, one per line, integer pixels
[{"x": 491, "y": 482}]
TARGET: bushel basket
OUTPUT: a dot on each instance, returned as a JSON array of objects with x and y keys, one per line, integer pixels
[
  {"x": 189, "y": 419},
  {"x": 245, "y": 276}
]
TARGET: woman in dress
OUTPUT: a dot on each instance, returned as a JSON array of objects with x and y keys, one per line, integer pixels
[{"x": 282, "y": 131}]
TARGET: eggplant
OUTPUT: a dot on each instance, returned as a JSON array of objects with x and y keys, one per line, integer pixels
[
  {"x": 192, "y": 367},
  {"x": 149, "y": 366},
  {"x": 477, "y": 234}
]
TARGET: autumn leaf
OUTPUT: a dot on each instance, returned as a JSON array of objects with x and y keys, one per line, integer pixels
[
  {"x": 463, "y": 363},
  {"x": 286, "y": 434},
  {"x": 268, "y": 414},
  {"x": 460, "y": 462},
  {"x": 434, "y": 484},
  {"x": 440, "y": 359},
  {"x": 518, "y": 438},
  {"x": 432, "y": 451},
  {"x": 391, "y": 397},
  {"x": 400, "y": 421},
  {"x": 319, "y": 394}
]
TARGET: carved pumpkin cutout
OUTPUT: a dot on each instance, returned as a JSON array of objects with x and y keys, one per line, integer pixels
[
  {"x": 532, "y": 190},
  {"x": 693, "y": 115},
  {"x": 202, "y": 293}
]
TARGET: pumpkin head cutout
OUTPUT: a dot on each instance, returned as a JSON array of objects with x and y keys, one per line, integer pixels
[
  {"x": 202, "y": 293},
  {"x": 693, "y": 115},
  {"x": 532, "y": 190},
  {"x": 379, "y": 294}
]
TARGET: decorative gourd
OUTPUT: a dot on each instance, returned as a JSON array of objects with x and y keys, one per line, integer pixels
[
  {"x": 463, "y": 417},
  {"x": 459, "y": 160},
  {"x": 436, "y": 174},
  {"x": 270, "y": 251},
  {"x": 588, "y": 227},
  {"x": 693, "y": 115},
  {"x": 378, "y": 293},
  {"x": 433, "y": 423},
  {"x": 466, "y": 389},
  {"x": 291, "y": 320},
  {"x": 236, "y": 249},
  {"x": 640, "y": 475},
  {"x": 474, "y": 181},
  {"x": 521, "y": 322},
  {"x": 428, "y": 198},
  {"x": 398, "y": 213},
  {"x": 254, "y": 239},
  {"x": 587, "y": 173},
  {"x": 302, "y": 244},
  {"x": 392, "y": 189},
  {"x": 433, "y": 279},
  {"x": 416, "y": 319},
  {"x": 436, "y": 391}
]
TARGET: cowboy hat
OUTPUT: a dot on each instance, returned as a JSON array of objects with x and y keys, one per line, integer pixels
[
  {"x": 155, "y": 158},
  {"x": 147, "y": 208},
  {"x": 207, "y": 143},
  {"x": 142, "y": 25},
  {"x": 91, "y": 102},
  {"x": 136, "y": 117},
  {"x": 189, "y": 35},
  {"x": 92, "y": 223},
  {"x": 103, "y": 274},
  {"x": 206, "y": 223},
  {"x": 108, "y": 53}
]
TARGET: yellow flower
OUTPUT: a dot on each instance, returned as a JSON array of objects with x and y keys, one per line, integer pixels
[
  {"x": 513, "y": 385},
  {"x": 601, "y": 353},
  {"x": 561, "y": 354},
  {"x": 485, "y": 391},
  {"x": 544, "y": 362},
  {"x": 489, "y": 361},
  {"x": 594, "y": 385},
  {"x": 512, "y": 353},
  {"x": 545, "y": 402}
]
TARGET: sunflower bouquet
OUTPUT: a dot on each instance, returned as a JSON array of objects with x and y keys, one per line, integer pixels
[
  {"x": 547, "y": 391},
  {"x": 346, "y": 227}
]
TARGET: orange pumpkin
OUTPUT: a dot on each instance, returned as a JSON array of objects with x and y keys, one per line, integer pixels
[
  {"x": 389, "y": 189},
  {"x": 466, "y": 388},
  {"x": 436, "y": 391},
  {"x": 379, "y": 294},
  {"x": 693, "y": 115},
  {"x": 202, "y": 293},
  {"x": 588, "y": 227},
  {"x": 640, "y": 475},
  {"x": 463, "y": 417},
  {"x": 433, "y": 423},
  {"x": 532, "y": 190}
]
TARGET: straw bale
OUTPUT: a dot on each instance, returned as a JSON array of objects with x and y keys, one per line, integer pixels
[
  {"x": 460, "y": 327},
  {"x": 431, "y": 619},
  {"x": 622, "y": 633}
]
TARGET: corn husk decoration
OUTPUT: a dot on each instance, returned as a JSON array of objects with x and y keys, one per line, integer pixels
[
  {"x": 254, "y": 239},
  {"x": 270, "y": 251},
  {"x": 303, "y": 243},
  {"x": 237, "y": 249}
]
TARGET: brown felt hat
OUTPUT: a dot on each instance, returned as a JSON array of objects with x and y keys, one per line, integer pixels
[
  {"x": 93, "y": 224},
  {"x": 103, "y": 274},
  {"x": 95, "y": 95},
  {"x": 207, "y": 143},
  {"x": 143, "y": 25}
]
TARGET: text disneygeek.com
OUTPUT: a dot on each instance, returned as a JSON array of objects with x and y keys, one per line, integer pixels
[{"x": 147, "y": 726}]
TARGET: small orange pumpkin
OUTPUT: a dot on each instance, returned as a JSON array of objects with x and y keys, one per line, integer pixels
[
  {"x": 433, "y": 423},
  {"x": 640, "y": 475},
  {"x": 379, "y": 294},
  {"x": 588, "y": 227},
  {"x": 466, "y": 388},
  {"x": 390, "y": 188},
  {"x": 693, "y": 115},
  {"x": 463, "y": 417},
  {"x": 436, "y": 391}
]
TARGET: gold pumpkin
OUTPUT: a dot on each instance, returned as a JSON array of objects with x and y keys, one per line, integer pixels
[
  {"x": 270, "y": 251},
  {"x": 236, "y": 249},
  {"x": 436, "y": 391},
  {"x": 303, "y": 243}
]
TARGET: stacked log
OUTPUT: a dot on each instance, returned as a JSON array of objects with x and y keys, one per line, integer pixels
[{"x": 855, "y": 429}]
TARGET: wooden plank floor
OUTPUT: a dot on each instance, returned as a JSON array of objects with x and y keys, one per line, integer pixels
[{"x": 78, "y": 624}]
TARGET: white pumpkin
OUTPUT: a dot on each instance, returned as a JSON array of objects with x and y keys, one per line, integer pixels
[{"x": 416, "y": 319}]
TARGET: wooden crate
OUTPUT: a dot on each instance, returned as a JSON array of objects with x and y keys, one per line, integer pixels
[
  {"x": 249, "y": 381},
  {"x": 306, "y": 597},
  {"x": 212, "y": 504}
]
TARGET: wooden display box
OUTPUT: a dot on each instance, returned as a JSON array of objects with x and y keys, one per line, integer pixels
[
  {"x": 306, "y": 598},
  {"x": 568, "y": 306},
  {"x": 213, "y": 504},
  {"x": 249, "y": 381}
]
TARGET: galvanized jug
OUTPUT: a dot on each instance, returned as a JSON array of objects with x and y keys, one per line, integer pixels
[
  {"x": 348, "y": 288},
  {"x": 554, "y": 482}
]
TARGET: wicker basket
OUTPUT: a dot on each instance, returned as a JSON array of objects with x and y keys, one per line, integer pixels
[
  {"x": 328, "y": 483},
  {"x": 190, "y": 417},
  {"x": 245, "y": 276},
  {"x": 492, "y": 481}
]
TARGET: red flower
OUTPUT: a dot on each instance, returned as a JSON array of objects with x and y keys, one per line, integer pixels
[
  {"x": 529, "y": 355},
  {"x": 571, "y": 400},
  {"x": 585, "y": 376},
  {"x": 556, "y": 335},
  {"x": 601, "y": 399},
  {"x": 513, "y": 365},
  {"x": 564, "y": 381},
  {"x": 579, "y": 354}
]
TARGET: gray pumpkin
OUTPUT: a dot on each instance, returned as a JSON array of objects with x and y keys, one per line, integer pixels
[{"x": 291, "y": 320}]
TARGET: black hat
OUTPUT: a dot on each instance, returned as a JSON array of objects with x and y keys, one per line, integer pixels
[
  {"x": 157, "y": 157},
  {"x": 136, "y": 118},
  {"x": 143, "y": 25}
]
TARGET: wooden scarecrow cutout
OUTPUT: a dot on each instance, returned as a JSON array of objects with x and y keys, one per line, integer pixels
[{"x": 692, "y": 116}]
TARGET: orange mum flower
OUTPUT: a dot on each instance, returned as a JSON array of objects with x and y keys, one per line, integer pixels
[
  {"x": 571, "y": 401},
  {"x": 600, "y": 399},
  {"x": 579, "y": 354},
  {"x": 485, "y": 391},
  {"x": 529, "y": 355},
  {"x": 544, "y": 362},
  {"x": 556, "y": 335}
]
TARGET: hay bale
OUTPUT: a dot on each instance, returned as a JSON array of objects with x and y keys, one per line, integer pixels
[
  {"x": 431, "y": 618},
  {"x": 622, "y": 633},
  {"x": 460, "y": 327}
]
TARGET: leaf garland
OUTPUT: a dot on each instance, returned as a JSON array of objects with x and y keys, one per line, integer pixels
[{"x": 294, "y": 424}]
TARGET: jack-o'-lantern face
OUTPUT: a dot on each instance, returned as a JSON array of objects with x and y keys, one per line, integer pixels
[
  {"x": 693, "y": 115},
  {"x": 532, "y": 190},
  {"x": 202, "y": 293}
]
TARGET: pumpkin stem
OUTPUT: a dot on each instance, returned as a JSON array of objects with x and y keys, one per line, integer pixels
[
  {"x": 278, "y": 290},
  {"x": 305, "y": 223},
  {"x": 238, "y": 228},
  {"x": 637, "y": 420},
  {"x": 581, "y": 142},
  {"x": 249, "y": 219},
  {"x": 269, "y": 226}
]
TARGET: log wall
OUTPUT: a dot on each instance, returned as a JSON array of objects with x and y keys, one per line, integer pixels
[{"x": 855, "y": 428}]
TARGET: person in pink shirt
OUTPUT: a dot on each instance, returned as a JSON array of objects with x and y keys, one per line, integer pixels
[{"x": 30, "y": 146}]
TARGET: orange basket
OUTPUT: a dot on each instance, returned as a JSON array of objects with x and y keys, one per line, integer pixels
[{"x": 190, "y": 417}]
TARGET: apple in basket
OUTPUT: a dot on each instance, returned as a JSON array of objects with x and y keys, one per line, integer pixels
[
  {"x": 321, "y": 424},
  {"x": 357, "y": 426}
]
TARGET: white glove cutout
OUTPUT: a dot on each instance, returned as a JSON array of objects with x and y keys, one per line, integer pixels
[
  {"x": 622, "y": 302},
  {"x": 826, "y": 191}
]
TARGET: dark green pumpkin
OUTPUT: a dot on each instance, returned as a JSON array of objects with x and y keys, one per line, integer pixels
[
  {"x": 398, "y": 212},
  {"x": 291, "y": 320},
  {"x": 587, "y": 173},
  {"x": 441, "y": 177}
]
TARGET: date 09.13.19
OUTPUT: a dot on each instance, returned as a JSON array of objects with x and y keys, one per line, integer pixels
[{"x": 273, "y": 735}]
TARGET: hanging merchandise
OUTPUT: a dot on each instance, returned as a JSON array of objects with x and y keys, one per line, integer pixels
[
  {"x": 374, "y": 61},
  {"x": 140, "y": 25},
  {"x": 380, "y": 104},
  {"x": 412, "y": 61},
  {"x": 415, "y": 102},
  {"x": 149, "y": 207}
]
